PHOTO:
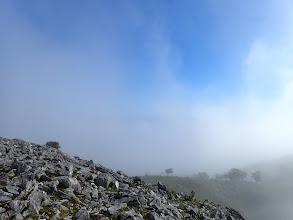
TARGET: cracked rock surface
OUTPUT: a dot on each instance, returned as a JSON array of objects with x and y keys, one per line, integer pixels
[{"x": 42, "y": 182}]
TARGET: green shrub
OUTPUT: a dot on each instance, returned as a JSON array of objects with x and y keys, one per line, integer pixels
[{"x": 53, "y": 144}]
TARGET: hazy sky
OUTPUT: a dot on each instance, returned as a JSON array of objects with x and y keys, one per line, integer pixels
[{"x": 142, "y": 86}]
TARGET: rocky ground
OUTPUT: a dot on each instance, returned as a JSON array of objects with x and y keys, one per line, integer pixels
[{"x": 42, "y": 182}]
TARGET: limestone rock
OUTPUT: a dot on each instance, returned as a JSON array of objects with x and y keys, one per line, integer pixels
[{"x": 104, "y": 179}]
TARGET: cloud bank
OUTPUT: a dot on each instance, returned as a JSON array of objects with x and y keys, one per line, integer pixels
[{"x": 102, "y": 105}]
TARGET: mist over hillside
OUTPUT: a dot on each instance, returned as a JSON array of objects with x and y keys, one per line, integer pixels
[{"x": 260, "y": 191}]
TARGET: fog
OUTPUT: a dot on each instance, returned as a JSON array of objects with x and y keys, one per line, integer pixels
[
  {"x": 71, "y": 77},
  {"x": 146, "y": 86}
]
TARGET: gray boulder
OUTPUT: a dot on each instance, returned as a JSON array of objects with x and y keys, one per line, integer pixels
[
  {"x": 154, "y": 216},
  {"x": 69, "y": 182},
  {"x": 104, "y": 179},
  {"x": 17, "y": 206},
  {"x": 82, "y": 215}
]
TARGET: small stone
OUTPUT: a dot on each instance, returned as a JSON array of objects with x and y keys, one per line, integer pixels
[
  {"x": 162, "y": 186},
  {"x": 94, "y": 216},
  {"x": 5, "y": 198},
  {"x": 13, "y": 190},
  {"x": 95, "y": 194},
  {"x": 115, "y": 185},
  {"x": 18, "y": 217},
  {"x": 154, "y": 216},
  {"x": 17, "y": 206},
  {"x": 82, "y": 214}
]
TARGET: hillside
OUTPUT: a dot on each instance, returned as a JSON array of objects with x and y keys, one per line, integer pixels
[
  {"x": 42, "y": 182},
  {"x": 269, "y": 199}
]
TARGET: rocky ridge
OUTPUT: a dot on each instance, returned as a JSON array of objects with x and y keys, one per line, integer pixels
[{"x": 42, "y": 182}]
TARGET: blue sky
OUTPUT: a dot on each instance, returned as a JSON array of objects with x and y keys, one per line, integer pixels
[{"x": 146, "y": 85}]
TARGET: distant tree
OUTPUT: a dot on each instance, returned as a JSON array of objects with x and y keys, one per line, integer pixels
[
  {"x": 256, "y": 176},
  {"x": 53, "y": 144},
  {"x": 203, "y": 176},
  {"x": 169, "y": 171},
  {"x": 236, "y": 174},
  {"x": 220, "y": 177}
]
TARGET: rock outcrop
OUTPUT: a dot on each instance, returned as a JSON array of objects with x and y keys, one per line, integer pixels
[{"x": 42, "y": 182}]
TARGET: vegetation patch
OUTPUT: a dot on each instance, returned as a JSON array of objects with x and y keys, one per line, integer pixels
[
  {"x": 75, "y": 171},
  {"x": 47, "y": 211},
  {"x": 66, "y": 204},
  {"x": 64, "y": 213},
  {"x": 32, "y": 216}
]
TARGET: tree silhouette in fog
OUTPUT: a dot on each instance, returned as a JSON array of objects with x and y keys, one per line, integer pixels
[
  {"x": 169, "y": 171},
  {"x": 236, "y": 175},
  {"x": 256, "y": 176}
]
